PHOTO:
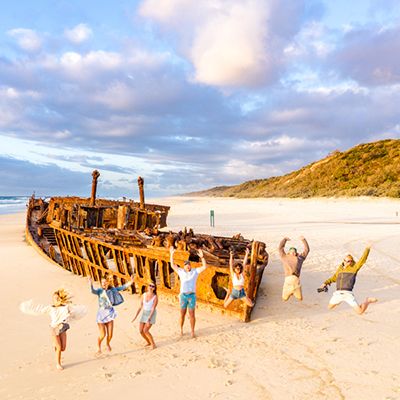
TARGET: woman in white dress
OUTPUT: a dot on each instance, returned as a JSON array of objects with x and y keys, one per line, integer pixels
[{"x": 106, "y": 312}]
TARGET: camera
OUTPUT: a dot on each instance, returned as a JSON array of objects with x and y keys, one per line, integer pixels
[{"x": 324, "y": 289}]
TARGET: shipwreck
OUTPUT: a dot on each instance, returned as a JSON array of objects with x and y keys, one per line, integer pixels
[{"x": 97, "y": 237}]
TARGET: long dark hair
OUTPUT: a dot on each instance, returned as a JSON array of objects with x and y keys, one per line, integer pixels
[
  {"x": 155, "y": 287},
  {"x": 240, "y": 267}
]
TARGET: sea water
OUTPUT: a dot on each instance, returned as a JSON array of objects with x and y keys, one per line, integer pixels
[{"x": 13, "y": 204}]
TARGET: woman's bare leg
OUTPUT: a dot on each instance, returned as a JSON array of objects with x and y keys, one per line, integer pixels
[
  {"x": 57, "y": 348},
  {"x": 228, "y": 300},
  {"x": 146, "y": 331},
  {"x": 109, "y": 331},
  {"x": 248, "y": 301},
  {"x": 63, "y": 339},
  {"x": 141, "y": 330},
  {"x": 102, "y": 335}
]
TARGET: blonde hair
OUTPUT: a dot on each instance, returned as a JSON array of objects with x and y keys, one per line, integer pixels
[{"x": 64, "y": 297}]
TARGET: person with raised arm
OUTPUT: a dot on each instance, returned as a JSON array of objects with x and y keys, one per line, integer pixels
[
  {"x": 236, "y": 271},
  {"x": 106, "y": 312},
  {"x": 292, "y": 262},
  {"x": 61, "y": 311},
  {"x": 345, "y": 278},
  {"x": 148, "y": 304},
  {"x": 187, "y": 297}
]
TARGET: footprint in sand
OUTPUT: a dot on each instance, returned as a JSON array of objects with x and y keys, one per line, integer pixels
[
  {"x": 108, "y": 375},
  {"x": 214, "y": 363},
  {"x": 135, "y": 374}
]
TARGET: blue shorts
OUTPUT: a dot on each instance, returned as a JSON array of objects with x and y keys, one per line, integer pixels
[
  {"x": 237, "y": 294},
  {"x": 187, "y": 300}
]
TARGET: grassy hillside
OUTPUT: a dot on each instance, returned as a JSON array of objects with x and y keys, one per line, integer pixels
[{"x": 371, "y": 169}]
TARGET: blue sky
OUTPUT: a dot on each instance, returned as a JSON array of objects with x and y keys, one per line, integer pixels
[{"x": 189, "y": 94}]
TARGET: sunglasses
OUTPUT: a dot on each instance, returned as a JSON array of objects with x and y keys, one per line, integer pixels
[{"x": 152, "y": 286}]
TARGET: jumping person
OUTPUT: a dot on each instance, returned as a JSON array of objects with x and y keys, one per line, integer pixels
[
  {"x": 148, "y": 303},
  {"x": 106, "y": 313},
  {"x": 187, "y": 297},
  {"x": 345, "y": 278},
  {"x": 60, "y": 312},
  {"x": 237, "y": 277},
  {"x": 292, "y": 262}
]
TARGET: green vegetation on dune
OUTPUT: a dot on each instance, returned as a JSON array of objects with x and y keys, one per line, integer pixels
[{"x": 371, "y": 169}]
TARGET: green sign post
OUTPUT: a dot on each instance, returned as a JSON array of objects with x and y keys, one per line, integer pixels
[{"x": 212, "y": 220}]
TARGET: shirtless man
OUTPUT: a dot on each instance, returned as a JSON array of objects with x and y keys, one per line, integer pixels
[{"x": 292, "y": 262}]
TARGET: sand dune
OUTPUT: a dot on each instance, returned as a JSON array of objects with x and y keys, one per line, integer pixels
[{"x": 289, "y": 350}]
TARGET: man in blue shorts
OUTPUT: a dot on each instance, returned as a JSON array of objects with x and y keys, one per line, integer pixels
[{"x": 187, "y": 297}]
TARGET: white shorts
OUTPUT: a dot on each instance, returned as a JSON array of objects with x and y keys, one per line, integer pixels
[{"x": 343, "y": 295}]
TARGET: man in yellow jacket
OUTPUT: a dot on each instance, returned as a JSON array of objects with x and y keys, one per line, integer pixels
[{"x": 345, "y": 278}]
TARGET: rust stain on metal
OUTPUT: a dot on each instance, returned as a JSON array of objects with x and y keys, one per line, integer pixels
[{"x": 99, "y": 237}]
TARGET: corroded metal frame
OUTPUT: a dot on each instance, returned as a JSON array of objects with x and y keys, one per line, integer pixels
[{"x": 90, "y": 257}]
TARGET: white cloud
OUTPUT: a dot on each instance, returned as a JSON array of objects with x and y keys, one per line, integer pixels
[
  {"x": 176, "y": 12},
  {"x": 80, "y": 33},
  {"x": 230, "y": 43},
  {"x": 229, "y": 50},
  {"x": 283, "y": 142},
  {"x": 81, "y": 67},
  {"x": 27, "y": 39}
]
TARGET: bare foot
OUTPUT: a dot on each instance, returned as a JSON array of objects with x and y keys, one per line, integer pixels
[
  {"x": 147, "y": 345},
  {"x": 153, "y": 347},
  {"x": 59, "y": 367},
  {"x": 193, "y": 335},
  {"x": 181, "y": 334},
  {"x": 371, "y": 300},
  {"x": 98, "y": 352},
  {"x": 109, "y": 348}
]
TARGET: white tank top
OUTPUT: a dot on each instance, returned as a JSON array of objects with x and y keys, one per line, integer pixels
[
  {"x": 148, "y": 305},
  {"x": 237, "y": 281}
]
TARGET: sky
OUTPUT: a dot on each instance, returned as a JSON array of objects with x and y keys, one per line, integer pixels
[{"x": 189, "y": 94}]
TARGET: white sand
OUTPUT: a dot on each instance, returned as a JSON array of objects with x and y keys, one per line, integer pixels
[{"x": 289, "y": 351}]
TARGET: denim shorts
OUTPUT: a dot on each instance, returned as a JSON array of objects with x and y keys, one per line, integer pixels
[
  {"x": 187, "y": 300},
  {"x": 237, "y": 294},
  {"x": 60, "y": 328}
]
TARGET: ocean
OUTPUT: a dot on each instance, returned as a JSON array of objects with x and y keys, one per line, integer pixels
[{"x": 13, "y": 204}]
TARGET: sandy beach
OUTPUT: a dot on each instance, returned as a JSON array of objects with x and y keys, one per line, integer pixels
[{"x": 289, "y": 350}]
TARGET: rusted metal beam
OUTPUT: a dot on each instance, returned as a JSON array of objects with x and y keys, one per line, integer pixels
[
  {"x": 141, "y": 192},
  {"x": 95, "y": 175}
]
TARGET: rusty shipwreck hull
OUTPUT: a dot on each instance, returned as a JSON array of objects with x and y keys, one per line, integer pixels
[{"x": 106, "y": 237}]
